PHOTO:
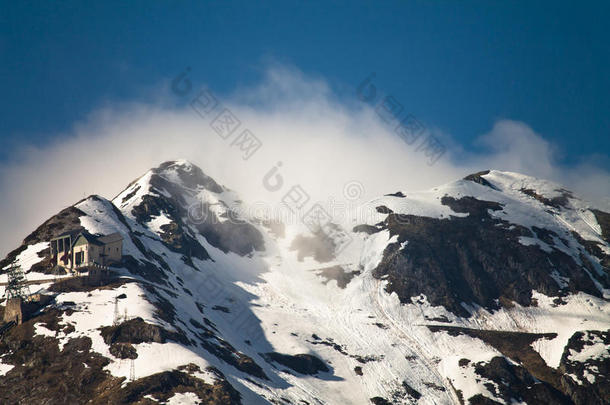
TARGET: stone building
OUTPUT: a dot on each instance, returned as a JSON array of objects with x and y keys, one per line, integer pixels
[
  {"x": 13, "y": 310},
  {"x": 77, "y": 249}
]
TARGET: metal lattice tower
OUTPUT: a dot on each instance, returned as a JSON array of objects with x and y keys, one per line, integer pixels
[
  {"x": 17, "y": 286},
  {"x": 132, "y": 370},
  {"x": 117, "y": 317}
]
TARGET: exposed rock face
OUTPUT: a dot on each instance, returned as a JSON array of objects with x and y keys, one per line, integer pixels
[
  {"x": 478, "y": 178},
  {"x": 190, "y": 176},
  {"x": 12, "y": 311},
  {"x": 175, "y": 191},
  {"x": 66, "y": 220},
  {"x": 555, "y": 202},
  {"x": 530, "y": 380},
  {"x": 474, "y": 259},
  {"x": 134, "y": 331},
  {"x": 163, "y": 386},
  {"x": 380, "y": 401},
  {"x": 174, "y": 234},
  {"x": 301, "y": 363},
  {"x": 225, "y": 351},
  {"x": 46, "y": 374},
  {"x": 591, "y": 372},
  {"x": 181, "y": 272},
  {"x": 123, "y": 351},
  {"x": 515, "y": 383},
  {"x": 603, "y": 219}
]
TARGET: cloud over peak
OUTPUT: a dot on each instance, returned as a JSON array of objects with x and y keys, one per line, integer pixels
[{"x": 315, "y": 140}]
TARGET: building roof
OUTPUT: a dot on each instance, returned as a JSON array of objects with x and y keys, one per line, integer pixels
[
  {"x": 89, "y": 238},
  {"x": 93, "y": 239},
  {"x": 113, "y": 237},
  {"x": 72, "y": 234}
]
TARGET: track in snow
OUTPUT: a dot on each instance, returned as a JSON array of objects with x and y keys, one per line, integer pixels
[{"x": 414, "y": 345}]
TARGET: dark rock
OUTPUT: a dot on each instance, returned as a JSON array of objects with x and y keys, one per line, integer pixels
[
  {"x": 221, "y": 308},
  {"x": 65, "y": 220},
  {"x": 586, "y": 392},
  {"x": 478, "y": 178},
  {"x": 233, "y": 235},
  {"x": 470, "y": 205},
  {"x": 434, "y": 386},
  {"x": 163, "y": 386},
  {"x": 555, "y": 202},
  {"x": 441, "y": 318},
  {"x": 368, "y": 229},
  {"x": 301, "y": 363},
  {"x": 192, "y": 177},
  {"x": 396, "y": 194},
  {"x": 226, "y": 352},
  {"x": 382, "y": 209},
  {"x": 123, "y": 351},
  {"x": 515, "y": 383},
  {"x": 473, "y": 259},
  {"x": 43, "y": 374},
  {"x": 603, "y": 219},
  {"x": 174, "y": 235},
  {"x": 137, "y": 331},
  {"x": 463, "y": 362},
  {"x": 338, "y": 274},
  {"x": 413, "y": 393},
  {"x": 128, "y": 196}
]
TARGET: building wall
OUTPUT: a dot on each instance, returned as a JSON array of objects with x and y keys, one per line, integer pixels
[
  {"x": 81, "y": 248},
  {"x": 12, "y": 311},
  {"x": 113, "y": 252},
  {"x": 94, "y": 254},
  {"x": 104, "y": 255},
  {"x": 59, "y": 262}
]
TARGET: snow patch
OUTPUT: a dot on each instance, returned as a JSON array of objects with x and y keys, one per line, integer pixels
[
  {"x": 186, "y": 398},
  {"x": 5, "y": 368}
]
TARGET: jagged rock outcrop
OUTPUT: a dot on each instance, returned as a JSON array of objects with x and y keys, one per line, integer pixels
[{"x": 488, "y": 289}]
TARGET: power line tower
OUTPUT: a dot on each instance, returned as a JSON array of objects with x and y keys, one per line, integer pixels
[
  {"x": 132, "y": 370},
  {"x": 117, "y": 317},
  {"x": 17, "y": 286}
]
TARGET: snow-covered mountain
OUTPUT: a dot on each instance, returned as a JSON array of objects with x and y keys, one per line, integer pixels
[{"x": 491, "y": 289}]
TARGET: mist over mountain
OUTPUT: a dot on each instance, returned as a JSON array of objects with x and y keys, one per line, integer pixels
[{"x": 322, "y": 141}]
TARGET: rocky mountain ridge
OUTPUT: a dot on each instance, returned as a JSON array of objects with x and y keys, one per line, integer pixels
[{"x": 490, "y": 289}]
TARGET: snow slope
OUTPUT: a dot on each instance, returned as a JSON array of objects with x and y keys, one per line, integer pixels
[{"x": 267, "y": 298}]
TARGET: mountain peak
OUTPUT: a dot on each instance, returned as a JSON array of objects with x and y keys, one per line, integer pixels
[
  {"x": 187, "y": 174},
  {"x": 493, "y": 287}
]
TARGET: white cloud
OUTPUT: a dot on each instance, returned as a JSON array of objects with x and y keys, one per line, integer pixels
[
  {"x": 514, "y": 146},
  {"x": 322, "y": 144}
]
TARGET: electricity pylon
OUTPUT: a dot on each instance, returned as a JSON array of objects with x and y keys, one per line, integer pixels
[
  {"x": 117, "y": 317},
  {"x": 17, "y": 286}
]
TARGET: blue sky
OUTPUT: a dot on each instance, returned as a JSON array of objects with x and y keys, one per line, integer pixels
[
  {"x": 512, "y": 86},
  {"x": 458, "y": 66}
]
